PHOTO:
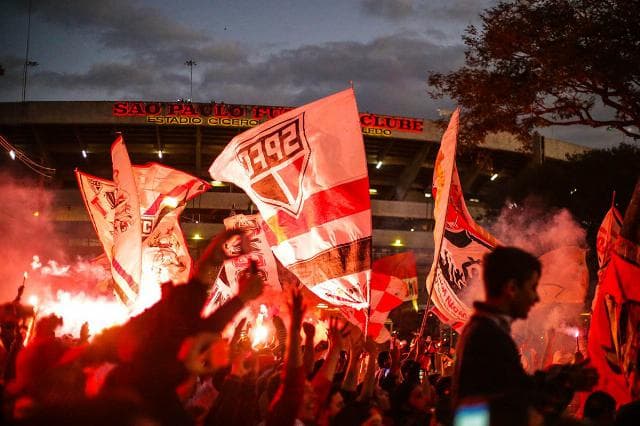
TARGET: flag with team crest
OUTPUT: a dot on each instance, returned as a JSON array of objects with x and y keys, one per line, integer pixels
[
  {"x": 162, "y": 194},
  {"x": 459, "y": 243},
  {"x": 306, "y": 171}
]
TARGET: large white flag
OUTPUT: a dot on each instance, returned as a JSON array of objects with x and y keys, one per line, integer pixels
[
  {"x": 306, "y": 172},
  {"x": 99, "y": 197},
  {"x": 460, "y": 243},
  {"x": 162, "y": 193},
  {"x": 126, "y": 257}
]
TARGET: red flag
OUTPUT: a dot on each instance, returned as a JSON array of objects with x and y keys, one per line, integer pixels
[
  {"x": 459, "y": 242},
  {"x": 403, "y": 266},
  {"x": 607, "y": 234},
  {"x": 306, "y": 171},
  {"x": 614, "y": 335},
  {"x": 387, "y": 293}
]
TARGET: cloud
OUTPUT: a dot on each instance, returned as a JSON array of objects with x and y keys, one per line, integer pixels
[
  {"x": 389, "y": 73},
  {"x": 451, "y": 11},
  {"x": 390, "y": 9},
  {"x": 118, "y": 23}
]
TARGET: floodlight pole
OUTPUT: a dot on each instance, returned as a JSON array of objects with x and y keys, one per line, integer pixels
[{"x": 190, "y": 63}]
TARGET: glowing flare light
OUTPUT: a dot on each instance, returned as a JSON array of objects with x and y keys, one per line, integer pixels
[
  {"x": 76, "y": 309},
  {"x": 260, "y": 331}
]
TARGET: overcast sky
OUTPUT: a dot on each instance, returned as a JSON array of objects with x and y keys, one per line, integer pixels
[{"x": 273, "y": 52}]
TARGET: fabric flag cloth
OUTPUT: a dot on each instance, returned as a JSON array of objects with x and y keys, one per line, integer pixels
[
  {"x": 219, "y": 293},
  {"x": 126, "y": 254},
  {"x": 615, "y": 322},
  {"x": 100, "y": 200},
  {"x": 460, "y": 243},
  {"x": 306, "y": 172},
  {"x": 403, "y": 266},
  {"x": 607, "y": 234},
  {"x": 162, "y": 194},
  {"x": 259, "y": 252},
  {"x": 387, "y": 293}
]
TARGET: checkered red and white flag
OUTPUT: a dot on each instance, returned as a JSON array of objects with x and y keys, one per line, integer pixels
[{"x": 387, "y": 293}]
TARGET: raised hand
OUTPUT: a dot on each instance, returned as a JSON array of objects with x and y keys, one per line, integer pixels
[
  {"x": 204, "y": 353},
  {"x": 234, "y": 344},
  {"x": 297, "y": 309},
  {"x": 309, "y": 330},
  {"x": 208, "y": 265},
  {"x": 337, "y": 334},
  {"x": 356, "y": 341}
]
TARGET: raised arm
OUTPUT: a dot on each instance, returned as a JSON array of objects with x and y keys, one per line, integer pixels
[
  {"x": 286, "y": 404},
  {"x": 356, "y": 348}
]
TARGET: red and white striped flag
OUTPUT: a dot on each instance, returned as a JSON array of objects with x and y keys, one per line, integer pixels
[{"x": 306, "y": 172}]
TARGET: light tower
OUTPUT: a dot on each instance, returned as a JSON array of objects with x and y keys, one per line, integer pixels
[{"x": 190, "y": 63}]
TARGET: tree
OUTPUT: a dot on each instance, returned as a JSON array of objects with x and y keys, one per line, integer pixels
[{"x": 539, "y": 63}]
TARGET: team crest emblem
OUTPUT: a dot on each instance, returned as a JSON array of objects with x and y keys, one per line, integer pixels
[{"x": 275, "y": 160}]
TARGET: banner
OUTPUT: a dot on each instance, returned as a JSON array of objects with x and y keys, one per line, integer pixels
[
  {"x": 614, "y": 337},
  {"x": 460, "y": 243},
  {"x": 306, "y": 172},
  {"x": 403, "y": 266},
  {"x": 260, "y": 252},
  {"x": 162, "y": 193}
]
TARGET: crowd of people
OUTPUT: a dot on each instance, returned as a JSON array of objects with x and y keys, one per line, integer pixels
[{"x": 171, "y": 366}]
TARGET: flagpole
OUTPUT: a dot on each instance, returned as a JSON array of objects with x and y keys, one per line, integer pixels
[
  {"x": 436, "y": 258},
  {"x": 366, "y": 318},
  {"x": 368, "y": 315}
]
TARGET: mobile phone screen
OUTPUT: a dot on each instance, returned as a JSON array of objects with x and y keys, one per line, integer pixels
[{"x": 472, "y": 415}]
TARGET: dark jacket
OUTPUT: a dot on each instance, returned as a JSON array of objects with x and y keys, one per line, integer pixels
[{"x": 487, "y": 359}]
